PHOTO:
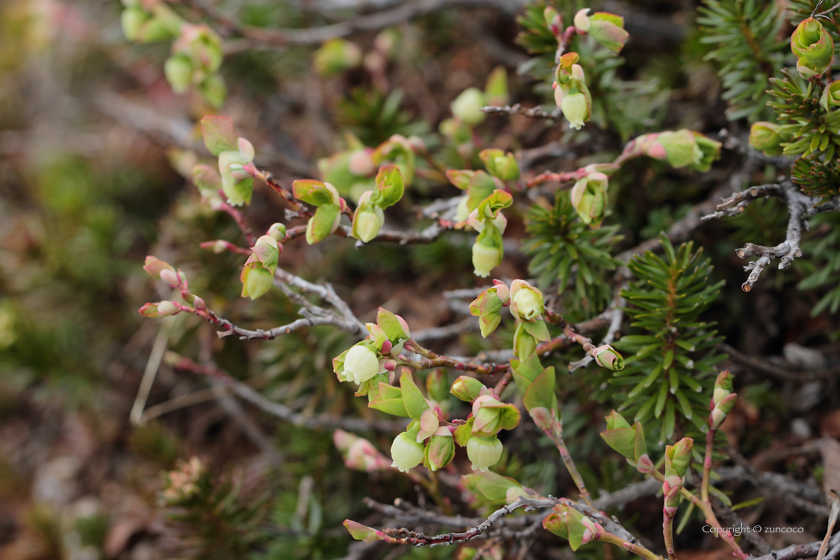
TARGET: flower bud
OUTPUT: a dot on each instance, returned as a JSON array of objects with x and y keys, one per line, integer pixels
[
  {"x": 363, "y": 456},
  {"x": 486, "y": 255},
  {"x": 524, "y": 343},
  {"x": 367, "y": 220},
  {"x": 441, "y": 449},
  {"x": 607, "y": 29},
  {"x": 277, "y": 232},
  {"x": 361, "y": 162},
  {"x": 467, "y": 106},
  {"x": 717, "y": 417},
  {"x": 132, "y": 18},
  {"x": 484, "y": 452},
  {"x": 678, "y": 457},
  {"x": 237, "y": 189},
  {"x": 576, "y": 109},
  {"x": 160, "y": 269},
  {"x": 589, "y": 199},
  {"x": 553, "y": 20},
  {"x": 813, "y": 46},
  {"x": 723, "y": 386},
  {"x": 527, "y": 302},
  {"x": 499, "y": 164},
  {"x": 467, "y": 389},
  {"x": 337, "y": 55},
  {"x": 765, "y": 136},
  {"x": 644, "y": 465},
  {"x": 830, "y": 97},
  {"x": 406, "y": 452},
  {"x": 556, "y": 523},
  {"x": 608, "y": 358},
  {"x": 502, "y": 291},
  {"x": 160, "y": 309},
  {"x": 360, "y": 364}
]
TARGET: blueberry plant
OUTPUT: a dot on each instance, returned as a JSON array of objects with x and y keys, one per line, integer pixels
[{"x": 629, "y": 324}]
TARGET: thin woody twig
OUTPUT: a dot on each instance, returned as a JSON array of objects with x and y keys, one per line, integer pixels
[
  {"x": 761, "y": 365},
  {"x": 282, "y": 411},
  {"x": 281, "y": 38},
  {"x": 517, "y": 109}
]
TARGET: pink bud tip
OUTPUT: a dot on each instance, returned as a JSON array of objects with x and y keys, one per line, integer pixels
[{"x": 387, "y": 346}]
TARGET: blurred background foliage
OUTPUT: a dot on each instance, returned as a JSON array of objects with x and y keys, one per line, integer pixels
[{"x": 91, "y": 144}]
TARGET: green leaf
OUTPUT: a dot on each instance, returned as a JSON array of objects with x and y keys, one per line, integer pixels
[
  {"x": 219, "y": 135},
  {"x": 321, "y": 225},
  {"x": 312, "y": 192},
  {"x": 415, "y": 402},
  {"x": 541, "y": 391}
]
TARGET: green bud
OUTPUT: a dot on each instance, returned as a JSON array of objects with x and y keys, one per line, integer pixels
[
  {"x": 678, "y": 457},
  {"x": 367, "y": 220},
  {"x": 255, "y": 282},
  {"x": 440, "y": 449},
  {"x": 277, "y": 231},
  {"x": 765, "y": 136},
  {"x": 437, "y": 385},
  {"x": 556, "y": 523},
  {"x": 178, "y": 71},
  {"x": 337, "y": 55},
  {"x": 608, "y": 29},
  {"x": 607, "y": 357},
  {"x": 406, "y": 452},
  {"x": 236, "y": 183},
  {"x": 488, "y": 251},
  {"x": 132, "y": 19},
  {"x": 484, "y": 452},
  {"x": 680, "y": 147},
  {"x": 709, "y": 150},
  {"x": 723, "y": 386},
  {"x": 499, "y": 164},
  {"x": 487, "y": 307},
  {"x": 813, "y": 46},
  {"x": 360, "y": 364},
  {"x": 830, "y": 97},
  {"x": 527, "y": 302},
  {"x": 576, "y": 109},
  {"x": 467, "y": 389},
  {"x": 589, "y": 199},
  {"x": 524, "y": 343},
  {"x": 467, "y": 106}
]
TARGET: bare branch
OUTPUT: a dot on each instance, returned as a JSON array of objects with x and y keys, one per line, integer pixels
[
  {"x": 280, "y": 38},
  {"x": 800, "y": 208},
  {"x": 761, "y": 365},
  {"x": 280, "y": 410},
  {"x": 517, "y": 109}
]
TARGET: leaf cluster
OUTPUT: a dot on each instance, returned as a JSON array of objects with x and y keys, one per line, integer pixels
[
  {"x": 745, "y": 35},
  {"x": 669, "y": 374},
  {"x": 824, "y": 251},
  {"x": 817, "y": 178},
  {"x": 216, "y": 520},
  {"x": 564, "y": 249},
  {"x": 806, "y": 127}
]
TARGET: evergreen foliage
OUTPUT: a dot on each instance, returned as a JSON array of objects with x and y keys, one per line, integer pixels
[{"x": 672, "y": 369}]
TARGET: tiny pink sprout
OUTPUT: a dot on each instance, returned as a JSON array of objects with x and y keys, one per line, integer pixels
[
  {"x": 402, "y": 357},
  {"x": 199, "y": 304},
  {"x": 459, "y": 366},
  {"x": 389, "y": 365},
  {"x": 386, "y": 347}
]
